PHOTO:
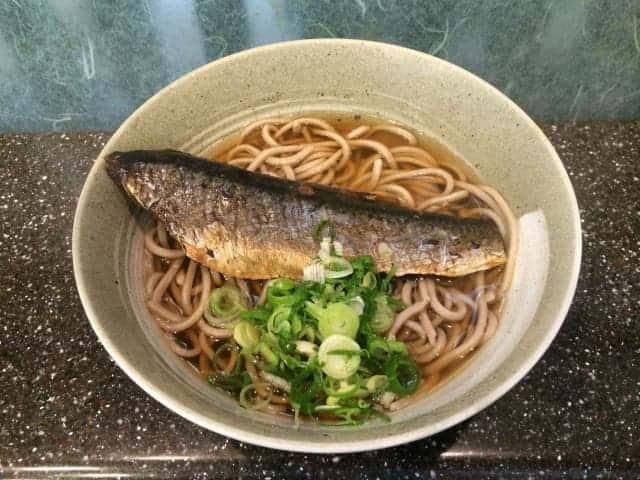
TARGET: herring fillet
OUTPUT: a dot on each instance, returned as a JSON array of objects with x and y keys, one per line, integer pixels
[{"x": 256, "y": 226}]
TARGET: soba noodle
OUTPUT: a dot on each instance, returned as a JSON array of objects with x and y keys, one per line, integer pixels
[{"x": 445, "y": 320}]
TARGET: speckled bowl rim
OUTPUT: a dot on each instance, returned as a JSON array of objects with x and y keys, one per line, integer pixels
[{"x": 485, "y": 399}]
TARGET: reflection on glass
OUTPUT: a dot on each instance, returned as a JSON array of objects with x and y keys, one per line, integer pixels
[{"x": 73, "y": 64}]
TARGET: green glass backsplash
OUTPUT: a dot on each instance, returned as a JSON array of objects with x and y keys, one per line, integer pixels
[{"x": 86, "y": 65}]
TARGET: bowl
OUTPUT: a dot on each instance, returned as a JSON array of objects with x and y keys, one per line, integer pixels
[{"x": 454, "y": 110}]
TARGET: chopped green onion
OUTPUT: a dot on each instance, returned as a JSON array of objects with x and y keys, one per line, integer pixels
[
  {"x": 283, "y": 285},
  {"x": 305, "y": 387},
  {"x": 324, "y": 252},
  {"x": 314, "y": 273},
  {"x": 231, "y": 382},
  {"x": 225, "y": 347},
  {"x": 291, "y": 362},
  {"x": 257, "y": 315},
  {"x": 385, "y": 285},
  {"x": 325, "y": 223},
  {"x": 335, "y": 318},
  {"x": 216, "y": 322},
  {"x": 333, "y": 401},
  {"x": 397, "y": 347},
  {"x": 345, "y": 352},
  {"x": 328, "y": 291},
  {"x": 378, "y": 347},
  {"x": 250, "y": 399},
  {"x": 384, "y": 316},
  {"x": 403, "y": 374},
  {"x": 339, "y": 366},
  {"x": 278, "y": 323},
  {"x": 306, "y": 348},
  {"x": 267, "y": 354},
  {"x": 349, "y": 415},
  {"x": 226, "y": 302},
  {"x": 377, "y": 383},
  {"x": 246, "y": 335},
  {"x": 326, "y": 408},
  {"x": 337, "y": 267},
  {"x": 339, "y": 388},
  {"x": 357, "y": 304},
  {"x": 369, "y": 280},
  {"x": 296, "y": 324},
  {"x": 280, "y": 292},
  {"x": 307, "y": 332}
]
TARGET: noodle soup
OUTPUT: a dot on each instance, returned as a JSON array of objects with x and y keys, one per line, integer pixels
[{"x": 440, "y": 321}]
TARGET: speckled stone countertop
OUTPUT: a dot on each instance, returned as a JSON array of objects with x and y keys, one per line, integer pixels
[{"x": 67, "y": 410}]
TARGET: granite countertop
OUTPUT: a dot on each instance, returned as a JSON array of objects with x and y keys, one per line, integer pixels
[{"x": 67, "y": 410}]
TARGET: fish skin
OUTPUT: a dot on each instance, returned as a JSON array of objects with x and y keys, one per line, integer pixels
[{"x": 256, "y": 226}]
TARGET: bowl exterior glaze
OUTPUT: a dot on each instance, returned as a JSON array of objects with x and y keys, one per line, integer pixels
[{"x": 455, "y": 111}]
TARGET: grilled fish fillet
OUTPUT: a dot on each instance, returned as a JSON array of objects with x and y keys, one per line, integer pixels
[{"x": 256, "y": 226}]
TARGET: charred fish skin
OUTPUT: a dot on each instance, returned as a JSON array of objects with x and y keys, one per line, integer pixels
[{"x": 257, "y": 226}]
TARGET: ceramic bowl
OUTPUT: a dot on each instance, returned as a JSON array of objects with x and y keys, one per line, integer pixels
[{"x": 454, "y": 110}]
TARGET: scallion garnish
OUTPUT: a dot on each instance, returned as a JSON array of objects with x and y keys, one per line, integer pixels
[{"x": 320, "y": 340}]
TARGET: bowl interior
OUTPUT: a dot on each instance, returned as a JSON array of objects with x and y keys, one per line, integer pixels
[{"x": 459, "y": 114}]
